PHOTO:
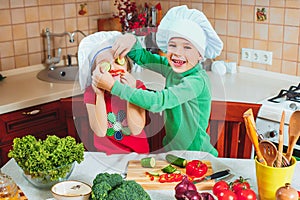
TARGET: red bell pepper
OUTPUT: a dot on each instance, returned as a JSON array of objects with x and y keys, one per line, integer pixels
[
  {"x": 169, "y": 178},
  {"x": 116, "y": 72},
  {"x": 196, "y": 169}
]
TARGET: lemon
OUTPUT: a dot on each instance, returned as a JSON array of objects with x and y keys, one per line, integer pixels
[
  {"x": 121, "y": 61},
  {"x": 105, "y": 66}
]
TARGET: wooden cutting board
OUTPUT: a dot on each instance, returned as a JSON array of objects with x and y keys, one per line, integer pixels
[{"x": 136, "y": 172}]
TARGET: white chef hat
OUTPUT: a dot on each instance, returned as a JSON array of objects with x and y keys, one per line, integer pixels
[
  {"x": 88, "y": 50},
  {"x": 191, "y": 24}
]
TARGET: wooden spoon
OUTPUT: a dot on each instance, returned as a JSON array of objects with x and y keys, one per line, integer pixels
[
  {"x": 280, "y": 140},
  {"x": 251, "y": 132},
  {"x": 269, "y": 151},
  {"x": 294, "y": 133}
]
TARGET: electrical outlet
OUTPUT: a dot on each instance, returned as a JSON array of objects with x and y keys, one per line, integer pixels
[
  {"x": 256, "y": 55},
  {"x": 262, "y": 57},
  {"x": 265, "y": 57},
  {"x": 247, "y": 54}
]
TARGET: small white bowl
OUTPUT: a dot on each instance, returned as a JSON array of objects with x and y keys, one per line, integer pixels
[{"x": 71, "y": 190}]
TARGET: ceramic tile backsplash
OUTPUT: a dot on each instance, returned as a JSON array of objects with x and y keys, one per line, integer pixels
[
  {"x": 275, "y": 33},
  {"x": 291, "y": 34},
  {"x": 22, "y": 23},
  {"x": 276, "y": 48},
  {"x": 290, "y": 15}
]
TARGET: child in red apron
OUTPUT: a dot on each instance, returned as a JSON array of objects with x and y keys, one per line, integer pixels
[{"x": 118, "y": 125}]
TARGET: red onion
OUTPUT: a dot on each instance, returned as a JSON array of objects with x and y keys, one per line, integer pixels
[
  {"x": 182, "y": 187},
  {"x": 207, "y": 196},
  {"x": 192, "y": 195}
]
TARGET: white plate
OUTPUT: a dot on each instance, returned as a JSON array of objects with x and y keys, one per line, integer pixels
[{"x": 71, "y": 190}]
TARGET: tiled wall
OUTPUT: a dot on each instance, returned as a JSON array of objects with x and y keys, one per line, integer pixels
[{"x": 22, "y": 22}]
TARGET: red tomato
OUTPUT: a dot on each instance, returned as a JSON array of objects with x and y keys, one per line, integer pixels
[
  {"x": 298, "y": 193},
  {"x": 240, "y": 184},
  {"x": 219, "y": 187},
  {"x": 246, "y": 194},
  {"x": 227, "y": 195}
]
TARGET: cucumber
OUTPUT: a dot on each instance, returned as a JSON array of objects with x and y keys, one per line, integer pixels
[
  {"x": 148, "y": 162},
  {"x": 153, "y": 173},
  {"x": 169, "y": 169},
  {"x": 120, "y": 61},
  {"x": 175, "y": 160},
  {"x": 105, "y": 66}
]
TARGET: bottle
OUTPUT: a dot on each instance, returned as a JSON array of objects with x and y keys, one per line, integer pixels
[
  {"x": 8, "y": 188},
  {"x": 153, "y": 16}
]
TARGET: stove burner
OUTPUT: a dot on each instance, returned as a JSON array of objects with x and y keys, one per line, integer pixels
[{"x": 292, "y": 94}]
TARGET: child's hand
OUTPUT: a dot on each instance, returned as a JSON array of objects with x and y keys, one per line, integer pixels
[
  {"x": 103, "y": 80},
  {"x": 98, "y": 91},
  {"x": 123, "y": 45},
  {"x": 128, "y": 79}
]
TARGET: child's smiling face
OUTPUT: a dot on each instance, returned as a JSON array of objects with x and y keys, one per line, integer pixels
[{"x": 182, "y": 55}]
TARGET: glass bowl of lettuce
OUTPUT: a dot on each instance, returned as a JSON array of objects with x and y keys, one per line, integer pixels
[
  {"x": 46, "y": 162},
  {"x": 46, "y": 179}
]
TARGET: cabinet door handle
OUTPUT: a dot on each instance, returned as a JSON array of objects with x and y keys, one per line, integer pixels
[{"x": 33, "y": 112}]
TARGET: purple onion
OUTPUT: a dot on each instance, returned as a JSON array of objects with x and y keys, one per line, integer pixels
[
  {"x": 207, "y": 196},
  {"x": 192, "y": 195},
  {"x": 182, "y": 187}
]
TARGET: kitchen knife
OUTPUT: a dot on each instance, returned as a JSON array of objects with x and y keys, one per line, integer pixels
[
  {"x": 124, "y": 174},
  {"x": 220, "y": 174}
]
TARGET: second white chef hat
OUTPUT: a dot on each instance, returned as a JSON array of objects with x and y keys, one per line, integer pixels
[{"x": 192, "y": 25}]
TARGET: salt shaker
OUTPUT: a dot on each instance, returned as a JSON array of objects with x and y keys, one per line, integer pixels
[{"x": 8, "y": 188}]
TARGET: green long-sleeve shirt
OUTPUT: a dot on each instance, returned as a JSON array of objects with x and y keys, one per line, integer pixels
[{"x": 186, "y": 102}]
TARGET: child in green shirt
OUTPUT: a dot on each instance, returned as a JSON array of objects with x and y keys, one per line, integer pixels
[{"x": 188, "y": 38}]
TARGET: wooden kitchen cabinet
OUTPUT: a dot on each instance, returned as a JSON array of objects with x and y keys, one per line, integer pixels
[
  {"x": 109, "y": 24},
  {"x": 227, "y": 128},
  {"x": 39, "y": 121}
]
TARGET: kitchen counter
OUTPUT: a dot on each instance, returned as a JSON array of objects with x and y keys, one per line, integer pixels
[
  {"x": 23, "y": 89},
  {"x": 96, "y": 162}
]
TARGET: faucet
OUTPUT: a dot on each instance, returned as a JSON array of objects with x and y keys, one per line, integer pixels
[{"x": 51, "y": 61}]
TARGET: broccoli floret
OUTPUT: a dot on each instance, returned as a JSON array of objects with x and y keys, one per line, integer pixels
[
  {"x": 100, "y": 191},
  {"x": 112, "y": 179},
  {"x": 129, "y": 190},
  {"x": 112, "y": 187}
]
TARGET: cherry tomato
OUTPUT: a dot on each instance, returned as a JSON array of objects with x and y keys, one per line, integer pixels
[
  {"x": 240, "y": 184},
  {"x": 246, "y": 194},
  {"x": 227, "y": 195},
  {"x": 298, "y": 193},
  {"x": 219, "y": 187}
]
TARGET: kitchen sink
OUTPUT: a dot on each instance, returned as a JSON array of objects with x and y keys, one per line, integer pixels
[{"x": 60, "y": 74}]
